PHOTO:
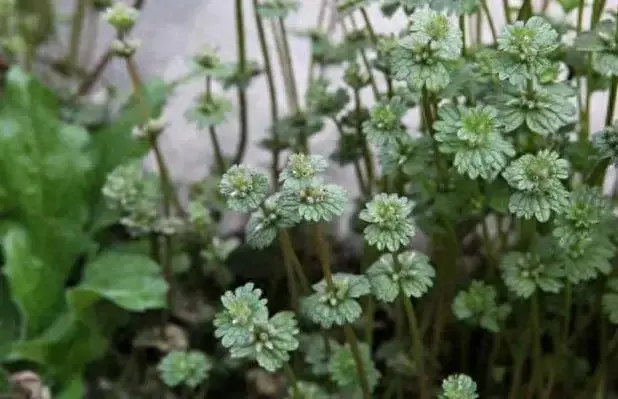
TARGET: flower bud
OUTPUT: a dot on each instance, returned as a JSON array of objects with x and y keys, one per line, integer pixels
[{"x": 121, "y": 16}]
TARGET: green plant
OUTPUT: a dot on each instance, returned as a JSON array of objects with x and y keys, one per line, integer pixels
[{"x": 481, "y": 145}]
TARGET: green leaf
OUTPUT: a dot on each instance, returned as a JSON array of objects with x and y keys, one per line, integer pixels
[
  {"x": 11, "y": 326},
  {"x": 569, "y": 5},
  {"x": 44, "y": 174},
  {"x": 133, "y": 282},
  {"x": 68, "y": 339},
  {"x": 76, "y": 389},
  {"x": 589, "y": 41},
  {"x": 36, "y": 288}
]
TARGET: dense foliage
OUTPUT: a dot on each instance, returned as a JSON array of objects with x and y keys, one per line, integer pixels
[{"x": 112, "y": 285}]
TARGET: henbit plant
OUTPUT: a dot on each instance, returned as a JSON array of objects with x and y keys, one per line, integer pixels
[
  {"x": 515, "y": 295},
  {"x": 494, "y": 159}
]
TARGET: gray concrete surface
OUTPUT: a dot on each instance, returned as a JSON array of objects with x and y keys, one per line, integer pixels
[{"x": 173, "y": 31}]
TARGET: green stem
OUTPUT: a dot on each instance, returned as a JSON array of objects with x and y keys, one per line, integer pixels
[
  {"x": 417, "y": 342},
  {"x": 92, "y": 77},
  {"x": 350, "y": 337},
  {"x": 462, "y": 28},
  {"x": 368, "y": 159},
  {"x": 493, "y": 356},
  {"x": 288, "y": 62},
  {"x": 357, "y": 168},
  {"x": 597, "y": 10},
  {"x": 489, "y": 253},
  {"x": 520, "y": 357},
  {"x": 611, "y": 104},
  {"x": 580, "y": 15},
  {"x": 242, "y": 93},
  {"x": 213, "y": 134},
  {"x": 369, "y": 26},
  {"x": 568, "y": 300},
  {"x": 372, "y": 80},
  {"x": 537, "y": 370},
  {"x": 426, "y": 105},
  {"x": 291, "y": 377},
  {"x": 324, "y": 254},
  {"x": 479, "y": 27},
  {"x": 525, "y": 12},
  {"x": 288, "y": 251},
  {"x": 563, "y": 342},
  {"x": 168, "y": 192},
  {"x": 490, "y": 21},
  {"x": 507, "y": 11},
  {"x": 320, "y": 24},
  {"x": 272, "y": 91},
  {"x": 77, "y": 26}
]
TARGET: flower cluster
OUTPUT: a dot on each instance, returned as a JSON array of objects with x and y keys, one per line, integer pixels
[
  {"x": 583, "y": 235},
  {"x": 343, "y": 370},
  {"x": 245, "y": 328},
  {"x": 542, "y": 109},
  {"x": 478, "y": 305},
  {"x": 136, "y": 195},
  {"x": 525, "y": 273},
  {"x": 301, "y": 170},
  {"x": 606, "y": 142},
  {"x": 264, "y": 224},
  {"x": 385, "y": 125},
  {"x": 525, "y": 49},
  {"x": 243, "y": 188},
  {"x": 321, "y": 101},
  {"x": 336, "y": 303},
  {"x": 424, "y": 55},
  {"x": 209, "y": 110},
  {"x": 408, "y": 273},
  {"x": 537, "y": 181},
  {"x": 474, "y": 136},
  {"x": 458, "y": 386},
  {"x": 389, "y": 221},
  {"x": 122, "y": 18},
  {"x": 304, "y": 195},
  {"x": 181, "y": 367},
  {"x": 602, "y": 43}
]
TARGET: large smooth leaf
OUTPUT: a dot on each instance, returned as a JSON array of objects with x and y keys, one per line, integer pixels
[
  {"x": 10, "y": 320},
  {"x": 44, "y": 174},
  {"x": 65, "y": 348},
  {"x": 36, "y": 287},
  {"x": 131, "y": 281}
]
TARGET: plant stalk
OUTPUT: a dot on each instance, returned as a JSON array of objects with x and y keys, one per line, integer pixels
[
  {"x": 242, "y": 90},
  {"x": 77, "y": 26},
  {"x": 350, "y": 337},
  {"x": 213, "y": 134},
  {"x": 272, "y": 91},
  {"x": 368, "y": 159},
  {"x": 142, "y": 101},
  {"x": 291, "y": 377},
  {"x": 288, "y": 251},
  {"x": 417, "y": 344}
]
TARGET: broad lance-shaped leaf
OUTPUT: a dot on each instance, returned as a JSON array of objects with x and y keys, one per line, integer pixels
[
  {"x": 11, "y": 326},
  {"x": 133, "y": 282},
  {"x": 69, "y": 339},
  {"x": 35, "y": 287},
  {"x": 44, "y": 174}
]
